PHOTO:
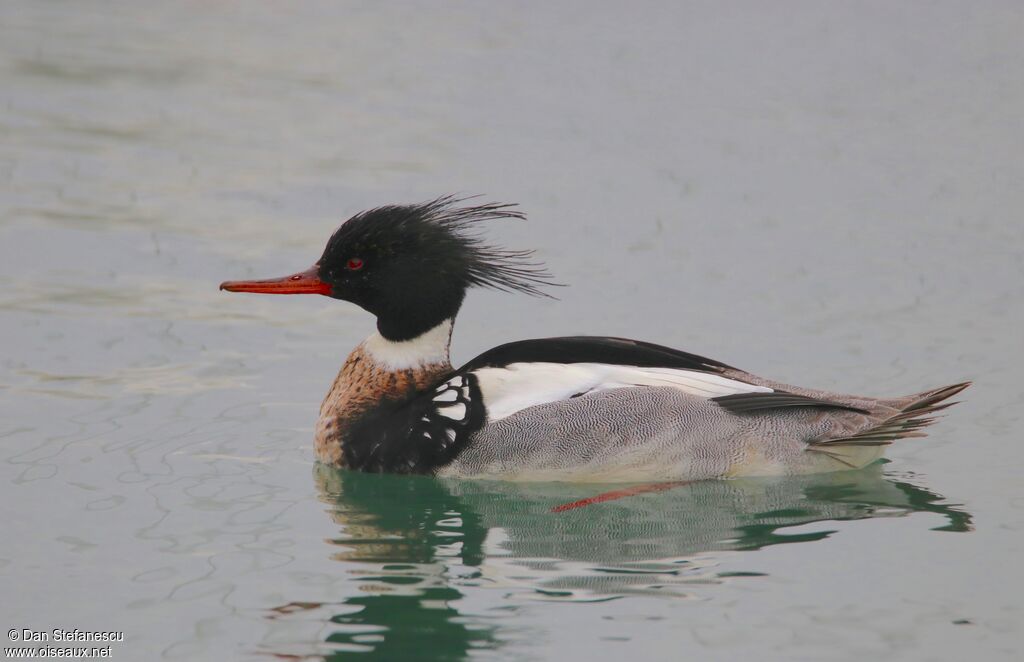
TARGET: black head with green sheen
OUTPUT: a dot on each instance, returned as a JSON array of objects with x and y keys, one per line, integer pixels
[{"x": 410, "y": 265}]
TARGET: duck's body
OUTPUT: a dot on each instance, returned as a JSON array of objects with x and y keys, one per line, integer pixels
[
  {"x": 578, "y": 408},
  {"x": 564, "y": 409}
]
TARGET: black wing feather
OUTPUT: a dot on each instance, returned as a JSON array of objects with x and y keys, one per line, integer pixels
[
  {"x": 593, "y": 349},
  {"x": 750, "y": 403}
]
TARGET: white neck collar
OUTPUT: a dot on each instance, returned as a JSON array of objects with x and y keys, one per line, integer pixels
[{"x": 428, "y": 348}]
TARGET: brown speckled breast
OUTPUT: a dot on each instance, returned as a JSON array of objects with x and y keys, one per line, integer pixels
[{"x": 362, "y": 384}]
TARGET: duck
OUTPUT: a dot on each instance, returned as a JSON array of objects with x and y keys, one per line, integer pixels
[{"x": 574, "y": 408}]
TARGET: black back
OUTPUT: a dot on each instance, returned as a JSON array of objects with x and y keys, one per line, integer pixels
[{"x": 593, "y": 349}]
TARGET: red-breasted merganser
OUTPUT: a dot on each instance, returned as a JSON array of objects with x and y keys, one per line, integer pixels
[{"x": 571, "y": 408}]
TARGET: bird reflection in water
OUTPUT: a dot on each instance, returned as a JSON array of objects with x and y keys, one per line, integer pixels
[{"x": 417, "y": 545}]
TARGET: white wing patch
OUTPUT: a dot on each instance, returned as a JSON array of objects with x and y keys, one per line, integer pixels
[
  {"x": 456, "y": 411},
  {"x": 447, "y": 395},
  {"x": 520, "y": 385},
  {"x": 455, "y": 389}
]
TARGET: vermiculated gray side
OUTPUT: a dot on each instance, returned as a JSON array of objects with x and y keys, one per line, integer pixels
[{"x": 659, "y": 433}]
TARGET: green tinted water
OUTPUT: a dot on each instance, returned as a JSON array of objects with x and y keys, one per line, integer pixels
[{"x": 419, "y": 547}]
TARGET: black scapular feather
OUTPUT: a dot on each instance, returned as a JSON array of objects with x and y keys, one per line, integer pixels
[
  {"x": 748, "y": 403},
  {"x": 593, "y": 349}
]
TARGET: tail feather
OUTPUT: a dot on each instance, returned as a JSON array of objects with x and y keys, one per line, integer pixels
[
  {"x": 930, "y": 398},
  {"x": 915, "y": 413}
]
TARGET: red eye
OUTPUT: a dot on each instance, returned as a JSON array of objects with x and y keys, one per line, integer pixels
[{"x": 354, "y": 264}]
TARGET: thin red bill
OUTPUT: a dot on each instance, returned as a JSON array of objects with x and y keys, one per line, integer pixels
[{"x": 304, "y": 282}]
